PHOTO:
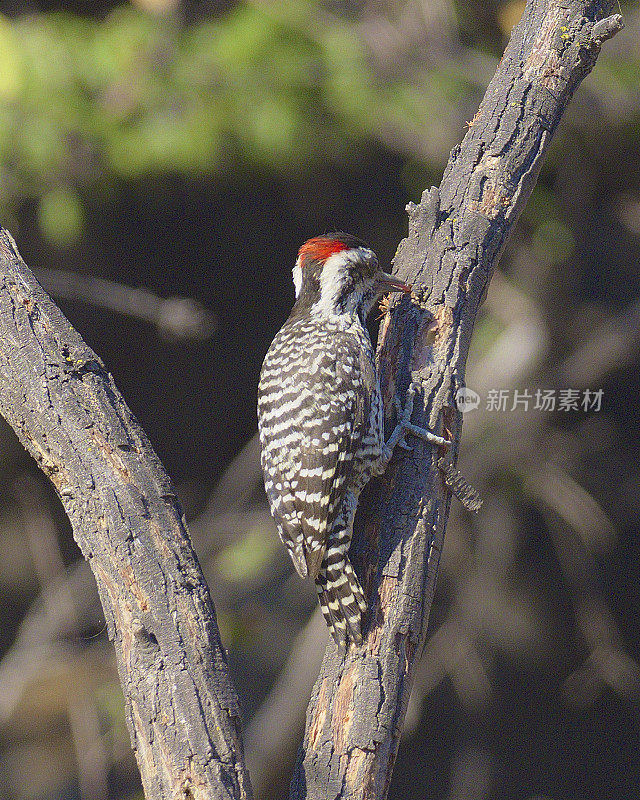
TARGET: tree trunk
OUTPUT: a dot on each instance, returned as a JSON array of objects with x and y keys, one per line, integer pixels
[
  {"x": 456, "y": 236},
  {"x": 181, "y": 708}
]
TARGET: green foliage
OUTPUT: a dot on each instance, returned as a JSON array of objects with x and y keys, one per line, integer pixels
[
  {"x": 553, "y": 241},
  {"x": 85, "y": 102},
  {"x": 245, "y": 558},
  {"x": 61, "y": 215},
  {"x": 10, "y": 72}
]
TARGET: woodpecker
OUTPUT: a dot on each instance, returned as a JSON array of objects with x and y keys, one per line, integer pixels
[{"x": 321, "y": 419}]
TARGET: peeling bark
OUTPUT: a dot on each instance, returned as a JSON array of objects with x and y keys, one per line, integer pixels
[
  {"x": 181, "y": 708},
  {"x": 456, "y": 235}
]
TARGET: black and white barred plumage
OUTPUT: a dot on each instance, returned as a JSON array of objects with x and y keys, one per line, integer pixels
[{"x": 320, "y": 417}]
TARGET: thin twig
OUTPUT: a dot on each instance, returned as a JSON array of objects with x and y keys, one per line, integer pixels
[
  {"x": 174, "y": 317},
  {"x": 42, "y": 536}
]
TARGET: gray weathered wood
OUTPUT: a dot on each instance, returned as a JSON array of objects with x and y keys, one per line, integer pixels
[
  {"x": 181, "y": 707},
  {"x": 455, "y": 238}
]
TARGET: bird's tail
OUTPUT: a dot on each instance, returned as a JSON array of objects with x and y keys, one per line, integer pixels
[{"x": 341, "y": 596}]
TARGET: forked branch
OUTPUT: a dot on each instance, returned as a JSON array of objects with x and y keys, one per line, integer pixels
[{"x": 182, "y": 710}]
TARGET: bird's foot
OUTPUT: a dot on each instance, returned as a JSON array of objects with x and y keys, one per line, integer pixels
[{"x": 404, "y": 426}]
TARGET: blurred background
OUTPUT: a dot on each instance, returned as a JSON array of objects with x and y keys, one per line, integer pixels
[{"x": 160, "y": 163}]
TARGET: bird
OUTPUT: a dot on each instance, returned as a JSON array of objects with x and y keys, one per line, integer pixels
[{"x": 321, "y": 419}]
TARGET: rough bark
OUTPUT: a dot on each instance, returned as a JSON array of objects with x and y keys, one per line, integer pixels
[
  {"x": 456, "y": 236},
  {"x": 181, "y": 707}
]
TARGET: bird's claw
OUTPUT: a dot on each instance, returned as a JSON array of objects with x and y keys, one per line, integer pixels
[{"x": 404, "y": 422}]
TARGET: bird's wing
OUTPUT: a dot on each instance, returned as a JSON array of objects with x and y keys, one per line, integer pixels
[
  {"x": 332, "y": 439},
  {"x": 323, "y": 412}
]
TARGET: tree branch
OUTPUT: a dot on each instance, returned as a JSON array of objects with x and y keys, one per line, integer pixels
[
  {"x": 174, "y": 317},
  {"x": 456, "y": 236},
  {"x": 181, "y": 707}
]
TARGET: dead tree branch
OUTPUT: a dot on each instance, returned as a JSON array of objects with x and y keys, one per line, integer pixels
[
  {"x": 174, "y": 317},
  {"x": 456, "y": 236},
  {"x": 56, "y": 394}
]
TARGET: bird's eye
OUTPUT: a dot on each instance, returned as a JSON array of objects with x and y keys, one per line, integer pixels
[
  {"x": 369, "y": 269},
  {"x": 362, "y": 273}
]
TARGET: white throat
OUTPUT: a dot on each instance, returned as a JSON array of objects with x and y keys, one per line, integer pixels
[{"x": 297, "y": 277}]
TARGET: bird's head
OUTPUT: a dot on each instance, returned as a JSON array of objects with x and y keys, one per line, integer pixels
[{"x": 337, "y": 273}]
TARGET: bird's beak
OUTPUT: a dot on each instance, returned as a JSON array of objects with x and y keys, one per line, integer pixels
[{"x": 388, "y": 283}]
